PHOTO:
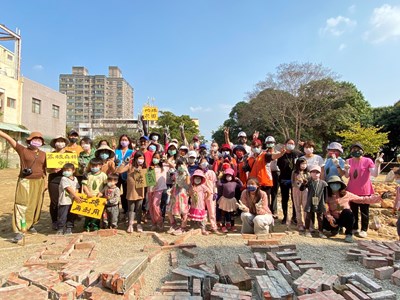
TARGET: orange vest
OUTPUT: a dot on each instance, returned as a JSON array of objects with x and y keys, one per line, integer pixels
[{"x": 259, "y": 170}]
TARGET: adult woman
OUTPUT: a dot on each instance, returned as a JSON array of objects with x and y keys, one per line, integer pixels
[
  {"x": 256, "y": 216},
  {"x": 286, "y": 164},
  {"x": 339, "y": 202},
  {"x": 59, "y": 143},
  {"x": 123, "y": 154},
  {"x": 359, "y": 169},
  {"x": 312, "y": 159},
  {"x": 31, "y": 183}
]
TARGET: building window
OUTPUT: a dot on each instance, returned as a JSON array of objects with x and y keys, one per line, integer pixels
[
  {"x": 11, "y": 102},
  {"x": 36, "y": 103},
  {"x": 56, "y": 111}
]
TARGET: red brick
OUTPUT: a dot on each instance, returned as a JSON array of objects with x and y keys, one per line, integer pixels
[
  {"x": 106, "y": 232},
  {"x": 19, "y": 292},
  {"x": 269, "y": 265},
  {"x": 262, "y": 242},
  {"x": 77, "y": 271},
  {"x": 91, "y": 279},
  {"x": 260, "y": 259},
  {"x": 153, "y": 255},
  {"x": 374, "y": 262},
  {"x": 244, "y": 260},
  {"x": 160, "y": 240},
  {"x": 273, "y": 258},
  {"x": 62, "y": 291},
  {"x": 79, "y": 288},
  {"x": 189, "y": 252},
  {"x": 383, "y": 272},
  {"x": 396, "y": 278},
  {"x": 361, "y": 295},
  {"x": 182, "y": 238},
  {"x": 85, "y": 245},
  {"x": 13, "y": 279},
  {"x": 348, "y": 295},
  {"x": 41, "y": 277}
]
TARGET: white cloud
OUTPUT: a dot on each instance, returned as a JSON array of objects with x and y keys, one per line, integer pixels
[
  {"x": 38, "y": 68},
  {"x": 352, "y": 9},
  {"x": 337, "y": 26},
  {"x": 385, "y": 24},
  {"x": 342, "y": 47},
  {"x": 199, "y": 109}
]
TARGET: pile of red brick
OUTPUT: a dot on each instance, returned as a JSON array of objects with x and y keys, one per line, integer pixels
[
  {"x": 380, "y": 256},
  {"x": 64, "y": 269}
]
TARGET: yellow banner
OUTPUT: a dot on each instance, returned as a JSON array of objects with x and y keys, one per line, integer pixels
[
  {"x": 89, "y": 207},
  {"x": 150, "y": 113},
  {"x": 58, "y": 160}
]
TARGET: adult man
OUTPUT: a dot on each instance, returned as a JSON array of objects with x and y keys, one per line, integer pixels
[{"x": 73, "y": 146}]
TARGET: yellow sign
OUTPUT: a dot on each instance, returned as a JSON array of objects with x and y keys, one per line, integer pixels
[
  {"x": 150, "y": 113},
  {"x": 56, "y": 160},
  {"x": 89, "y": 207}
]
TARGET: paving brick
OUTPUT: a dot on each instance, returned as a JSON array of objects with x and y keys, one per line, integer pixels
[
  {"x": 253, "y": 263},
  {"x": 124, "y": 276},
  {"x": 269, "y": 265},
  {"x": 196, "y": 287},
  {"x": 206, "y": 268},
  {"x": 40, "y": 276},
  {"x": 192, "y": 253},
  {"x": 253, "y": 272},
  {"x": 79, "y": 288},
  {"x": 383, "y": 272},
  {"x": 13, "y": 279},
  {"x": 348, "y": 295},
  {"x": 85, "y": 245},
  {"x": 182, "y": 238},
  {"x": 293, "y": 269},
  {"x": 367, "y": 282},
  {"x": 235, "y": 275},
  {"x": 20, "y": 292},
  {"x": 264, "y": 248},
  {"x": 263, "y": 242},
  {"x": 173, "y": 259},
  {"x": 285, "y": 272},
  {"x": 273, "y": 286},
  {"x": 154, "y": 255},
  {"x": 330, "y": 282},
  {"x": 360, "y": 294},
  {"x": 249, "y": 236},
  {"x": 161, "y": 241},
  {"x": 351, "y": 256},
  {"x": 383, "y": 295},
  {"x": 244, "y": 260},
  {"x": 206, "y": 289},
  {"x": 260, "y": 259},
  {"x": 340, "y": 289},
  {"x": 187, "y": 273},
  {"x": 273, "y": 258},
  {"x": 325, "y": 295},
  {"x": 77, "y": 271},
  {"x": 106, "y": 232},
  {"x": 196, "y": 264},
  {"x": 92, "y": 279},
  {"x": 62, "y": 291},
  {"x": 360, "y": 286},
  {"x": 374, "y": 262},
  {"x": 304, "y": 268},
  {"x": 395, "y": 278},
  {"x": 174, "y": 288}
]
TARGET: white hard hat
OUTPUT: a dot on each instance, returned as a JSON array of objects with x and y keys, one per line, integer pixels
[
  {"x": 242, "y": 134},
  {"x": 270, "y": 139},
  {"x": 192, "y": 154}
]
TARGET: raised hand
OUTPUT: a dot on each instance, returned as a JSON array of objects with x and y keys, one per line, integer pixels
[
  {"x": 335, "y": 161},
  {"x": 379, "y": 158}
]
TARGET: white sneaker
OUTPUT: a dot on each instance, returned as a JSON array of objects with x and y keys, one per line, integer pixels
[{"x": 363, "y": 234}]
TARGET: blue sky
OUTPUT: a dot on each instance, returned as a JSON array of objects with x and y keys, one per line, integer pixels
[{"x": 201, "y": 57}]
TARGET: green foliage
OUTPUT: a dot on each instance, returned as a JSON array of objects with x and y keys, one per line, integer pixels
[
  {"x": 3, "y": 163},
  {"x": 370, "y": 137},
  {"x": 173, "y": 122},
  {"x": 389, "y": 119}
]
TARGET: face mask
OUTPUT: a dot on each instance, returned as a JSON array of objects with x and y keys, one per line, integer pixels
[
  {"x": 335, "y": 186},
  {"x": 104, "y": 156},
  {"x": 290, "y": 147},
  {"x": 95, "y": 170},
  {"x": 73, "y": 140},
  {"x": 251, "y": 188},
  {"x": 270, "y": 145},
  {"x": 181, "y": 169},
  {"x": 197, "y": 180},
  {"x": 332, "y": 153},
  {"x": 204, "y": 165},
  {"x": 155, "y": 138},
  {"x": 303, "y": 166},
  {"x": 228, "y": 178},
  {"x": 60, "y": 145},
  {"x": 36, "y": 143},
  {"x": 152, "y": 148},
  {"x": 256, "y": 150},
  {"x": 214, "y": 148},
  {"x": 226, "y": 153},
  {"x": 85, "y": 147},
  {"x": 239, "y": 154},
  {"x": 67, "y": 173},
  {"x": 308, "y": 150},
  {"x": 140, "y": 162},
  {"x": 124, "y": 143},
  {"x": 196, "y": 145},
  {"x": 356, "y": 153},
  {"x": 242, "y": 141},
  {"x": 110, "y": 184},
  {"x": 156, "y": 161},
  {"x": 171, "y": 152}
]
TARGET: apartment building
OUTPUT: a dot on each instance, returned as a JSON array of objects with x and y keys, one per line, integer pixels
[{"x": 94, "y": 97}]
